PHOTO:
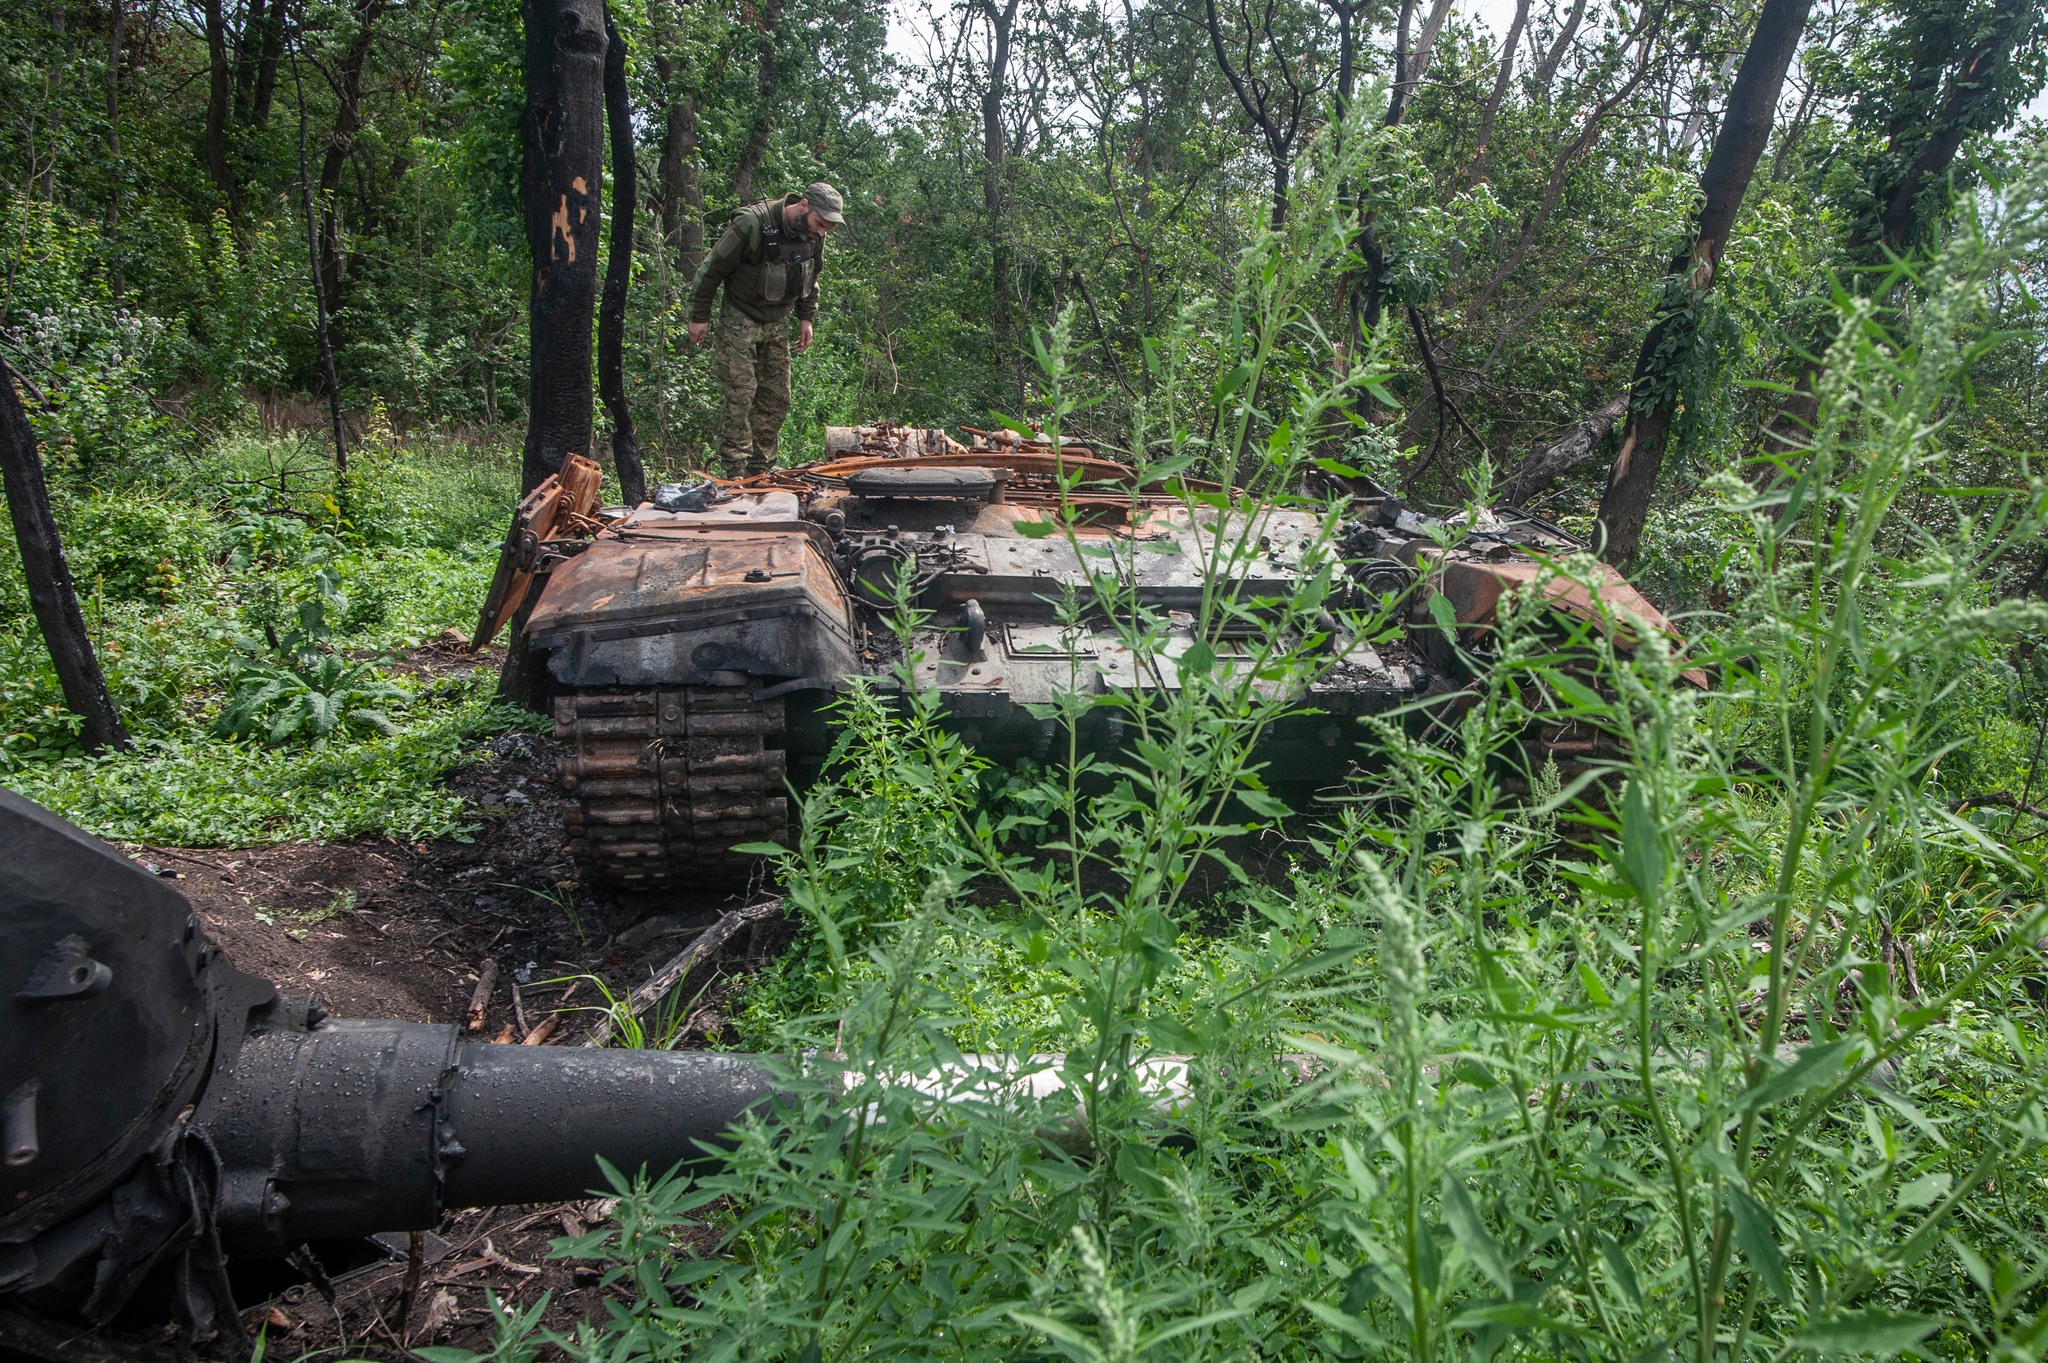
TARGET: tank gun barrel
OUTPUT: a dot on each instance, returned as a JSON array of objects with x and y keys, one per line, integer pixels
[
  {"x": 163, "y": 1110},
  {"x": 357, "y": 1126}
]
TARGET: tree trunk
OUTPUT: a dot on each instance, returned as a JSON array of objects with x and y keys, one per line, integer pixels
[
  {"x": 348, "y": 121},
  {"x": 1546, "y": 70},
  {"x": 1906, "y": 217},
  {"x": 618, "y": 269},
  {"x": 764, "y": 119},
  {"x": 321, "y": 335},
  {"x": 562, "y": 185},
  {"x": 266, "y": 66},
  {"x": 117, "y": 41},
  {"x": 50, "y": 592},
  {"x": 682, "y": 187},
  {"x": 1745, "y": 128},
  {"x": 1502, "y": 77},
  {"x": 53, "y": 100},
  {"x": 218, "y": 91},
  {"x": 248, "y": 49},
  {"x": 995, "y": 153}
]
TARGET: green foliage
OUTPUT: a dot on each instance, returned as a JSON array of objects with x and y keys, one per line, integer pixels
[
  {"x": 1626, "y": 1068},
  {"x": 311, "y": 697},
  {"x": 196, "y": 790}
]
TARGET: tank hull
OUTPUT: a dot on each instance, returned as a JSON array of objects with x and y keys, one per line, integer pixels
[{"x": 693, "y": 651}]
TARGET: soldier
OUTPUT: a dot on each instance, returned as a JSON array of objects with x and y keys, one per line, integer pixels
[{"x": 768, "y": 261}]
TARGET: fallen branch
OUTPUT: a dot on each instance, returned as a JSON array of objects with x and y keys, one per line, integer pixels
[
  {"x": 669, "y": 976},
  {"x": 1546, "y": 463},
  {"x": 1998, "y": 800},
  {"x": 480, "y": 1001}
]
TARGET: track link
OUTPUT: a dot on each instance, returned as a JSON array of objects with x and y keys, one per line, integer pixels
[{"x": 668, "y": 782}]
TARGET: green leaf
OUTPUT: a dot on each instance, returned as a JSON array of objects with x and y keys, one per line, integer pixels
[
  {"x": 1815, "y": 1065},
  {"x": 1866, "y": 1332},
  {"x": 1263, "y": 804},
  {"x": 1230, "y": 383},
  {"x": 1198, "y": 659},
  {"x": 1472, "y": 1236},
  {"x": 1622, "y": 1272},
  {"x": 1756, "y": 1235},
  {"x": 1642, "y": 850},
  {"x": 760, "y": 849},
  {"x": 1441, "y": 612},
  {"x": 1033, "y": 530}
]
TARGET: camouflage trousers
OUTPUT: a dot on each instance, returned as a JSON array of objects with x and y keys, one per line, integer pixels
[{"x": 751, "y": 360}]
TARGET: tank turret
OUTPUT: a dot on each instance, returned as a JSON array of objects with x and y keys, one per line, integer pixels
[{"x": 163, "y": 1112}]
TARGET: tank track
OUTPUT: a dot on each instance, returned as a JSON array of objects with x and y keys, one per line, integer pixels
[{"x": 668, "y": 782}]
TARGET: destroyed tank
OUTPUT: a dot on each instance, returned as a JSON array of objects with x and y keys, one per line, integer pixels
[
  {"x": 689, "y": 648},
  {"x": 166, "y": 1117}
]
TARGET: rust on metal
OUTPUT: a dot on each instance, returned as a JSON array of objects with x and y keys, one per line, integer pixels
[{"x": 561, "y": 507}]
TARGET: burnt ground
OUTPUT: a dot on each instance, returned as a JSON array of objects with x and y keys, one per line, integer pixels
[{"x": 379, "y": 928}]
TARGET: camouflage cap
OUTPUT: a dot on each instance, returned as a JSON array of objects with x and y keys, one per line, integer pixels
[{"x": 826, "y": 201}]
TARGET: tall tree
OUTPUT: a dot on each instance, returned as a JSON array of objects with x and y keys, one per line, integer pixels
[
  {"x": 50, "y": 592},
  {"x": 348, "y": 122},
  {"x": 1960, "y": 68},
  {"x": 1970, "y": 69},
  {"x": 680, "y": 180},
  {"x": 618, "y": 269},
  {"x": 1653, "y": 396},
  {"x": 218, "y": 91},
  {"x": 995, "y": 147},
  {"x": 562, "y": 128},
  {"x": 765, "y": 93},
  {"x": 1268, "y": 59}
]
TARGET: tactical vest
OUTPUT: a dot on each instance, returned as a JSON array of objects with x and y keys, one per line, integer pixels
[{"x": 785, "y": 258}]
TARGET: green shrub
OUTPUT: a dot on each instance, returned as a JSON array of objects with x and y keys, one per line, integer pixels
[{"x": 1634, "y": 1070}]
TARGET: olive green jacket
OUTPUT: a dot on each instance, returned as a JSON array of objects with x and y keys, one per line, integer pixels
[{"x": 765, "y": 273}]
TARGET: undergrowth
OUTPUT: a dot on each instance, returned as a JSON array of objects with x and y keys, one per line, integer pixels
[
  {"x": 250, "y": 613},
  {"x": 1731, "y": 1051}
]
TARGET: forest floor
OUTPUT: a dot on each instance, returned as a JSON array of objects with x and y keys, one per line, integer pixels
[{"x": 376, "y": 927}]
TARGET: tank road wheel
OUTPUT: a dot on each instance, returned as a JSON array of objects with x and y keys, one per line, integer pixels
[{"x": 667, "y": 783}]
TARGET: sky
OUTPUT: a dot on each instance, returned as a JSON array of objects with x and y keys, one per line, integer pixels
[{"x": 1495, "y": 15}]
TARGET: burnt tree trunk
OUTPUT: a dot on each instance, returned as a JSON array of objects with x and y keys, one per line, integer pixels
[
  {"x": 348, "y": 121},
  {"x": 1745, "y": 128},
  {"x": 618, "y": 269},
  {"x": 50, "y": 592},
  {"x": 764, "y": 118},
  {"x": 562, "y": 128}
]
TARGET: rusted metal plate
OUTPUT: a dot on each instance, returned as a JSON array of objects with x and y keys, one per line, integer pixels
[
  {"x": 560, "y": 507},
  {"x": 1475, "y": 590},
  {"x": 622, "y": 579}
]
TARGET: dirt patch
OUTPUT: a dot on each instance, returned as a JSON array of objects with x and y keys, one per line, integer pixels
[{"x": 375, "y": 927}]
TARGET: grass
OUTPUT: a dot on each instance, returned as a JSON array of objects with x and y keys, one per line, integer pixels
[{"x": 190, "y": 577}]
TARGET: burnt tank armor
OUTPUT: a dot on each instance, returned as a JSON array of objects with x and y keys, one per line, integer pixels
[
  {"x": 164, "y": 1113},
  {"x": 689, "y": 646}
]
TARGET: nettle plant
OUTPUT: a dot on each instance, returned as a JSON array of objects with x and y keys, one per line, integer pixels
[{"x": 1635, "y": 1066}]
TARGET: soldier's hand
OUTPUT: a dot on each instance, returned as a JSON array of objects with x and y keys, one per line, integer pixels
[
  {"x": 803, "y": 335},
  {"x": 698, "y": 331}
]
